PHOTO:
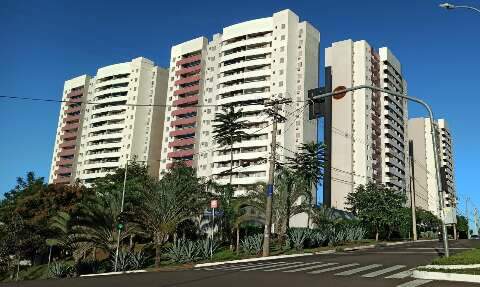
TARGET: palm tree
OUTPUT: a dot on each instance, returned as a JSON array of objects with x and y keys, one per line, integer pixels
[
  {"x": 308, "y": 164},
  {"x": 229, "y": 129},
  {"x": 178, "y": 196}
]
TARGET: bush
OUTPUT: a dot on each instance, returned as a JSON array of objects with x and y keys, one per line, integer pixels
[
  {"x": 319, "y": 237},
  {"x": 137, "y": 260},
  {"x": 60, "y": 270},
  {"x": 183, "y": 251},
  {"x": 206, "y": 246},
  {"x": 87, "y": 266},
  {"x": 428, "y": 235},
  {"x": 297, "y": 237},
  {"x": 252, "y": 244}
]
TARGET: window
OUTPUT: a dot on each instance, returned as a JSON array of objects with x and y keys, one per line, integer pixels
[
  {"x": 282, "y": 38},
  {"x": 280, "y": 84},
  {"x": 282, "y": 48},
  {"x": 283, "y": 26},
  {"x": 280, "y": 72},
  {"x": 282, "y": 60}
]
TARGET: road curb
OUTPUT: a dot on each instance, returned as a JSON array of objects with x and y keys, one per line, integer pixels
[
  {"x": 114, "y": 273},
  {"x": 446, "y": 276},
  {"x": 451, "y": 267}
]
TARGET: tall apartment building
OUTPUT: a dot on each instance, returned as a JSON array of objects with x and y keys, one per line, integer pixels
[
  {"x": 245, "y": 65},
  {"x": 112, "y": 126},
  {"x": 423, "y": 169},
  {"x": 364, "y": 130}
]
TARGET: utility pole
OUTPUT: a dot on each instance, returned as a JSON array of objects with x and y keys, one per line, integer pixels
[
  {"x": 475, "y": 220},
  {"x": 466, "y": 215},
  {"x": 276, "y": 117},
  {"x": 412, "y": 195}
]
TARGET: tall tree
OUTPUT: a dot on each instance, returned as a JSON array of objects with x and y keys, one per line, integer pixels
[
  {"x": 178, "y": 196},
  {"x": 228, "y": 128},
  {"x": 308, "y": 164},
  {"x": 376, "y": 206}
]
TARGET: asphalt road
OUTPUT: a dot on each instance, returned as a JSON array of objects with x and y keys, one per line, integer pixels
[{"x": 385, "y": 266}]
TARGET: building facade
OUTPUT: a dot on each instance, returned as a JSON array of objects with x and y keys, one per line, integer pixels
[
  {"x": 117, "y": 121},
  {"x": 365, "y": 131},
  {"x": 244, "y": 66},
  {"x": 423, "y": 170}
]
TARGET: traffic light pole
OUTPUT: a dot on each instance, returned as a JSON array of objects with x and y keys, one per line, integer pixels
[
  {"x": 121, "y": 210},
  {"x": 315, "y": 95}
]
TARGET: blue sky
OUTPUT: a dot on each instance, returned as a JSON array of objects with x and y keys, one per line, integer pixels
[{"x": 43, "y": 43}]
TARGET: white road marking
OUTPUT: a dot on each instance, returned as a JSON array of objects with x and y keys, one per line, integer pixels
[
  {"x": 430, "y": 248},
  {"x": 358, "y": 270},
  {"x": 383, "y": 271},
  {"x": 401, "y": 275},
  {"x": 291, "y": 266},
  {"x": 269, "y": 266},
  {"x": 235, "y": 267},
  {"x": 415, "y": 283},
  {"x": 333, "y": 268},
  {"x": 311, "y": 267}
]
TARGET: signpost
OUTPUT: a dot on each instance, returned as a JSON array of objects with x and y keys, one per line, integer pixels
[{"x": 213, "y": 205}]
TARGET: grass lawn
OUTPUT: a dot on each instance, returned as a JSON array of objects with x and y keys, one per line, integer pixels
[
  {"x": 463, "y": 258},
  {"x": 472, "y": 271}
]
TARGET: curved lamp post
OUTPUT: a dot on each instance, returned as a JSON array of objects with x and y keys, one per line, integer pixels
[{"x": 450, "y": 6}]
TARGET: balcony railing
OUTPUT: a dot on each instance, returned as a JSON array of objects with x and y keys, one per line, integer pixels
[
  {"x": 188, "y": 163},
  {"x": 181, "y": 142},
  {"x": 194, "y": 88},
  {"x": 185, "y": 121},
  {"x": 186, "y": 80},
  {"x": 183, "y": 111},
  {"x": 181, "y": 153},
  {"x": 182, "y": 132},
  {"x": 186, "y": 100},
  {"x": 188, "y": 70},
  {"x": 189, "y": 60}
]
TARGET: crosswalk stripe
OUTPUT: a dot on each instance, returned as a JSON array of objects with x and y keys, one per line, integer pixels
[
  {"x": 415, "y": 283},
  {"x": 358, "y": 270},
  {"x": 269, "y": 266},
  {"x": 251, "y": 265},
  {"x": 333, "y": 268},
  {"x": 291, "y": 266},
  {"x": 311, "y": 267},
  {"x": 383, "y": 271},
  {"x": 401, "y": 275}
]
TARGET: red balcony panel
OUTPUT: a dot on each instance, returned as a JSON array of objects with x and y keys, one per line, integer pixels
[
  {"x": 69, "y": 136},
  {"x": 185, "y": 121},
  {"x": 190, "y": 79},
  {"x": 194, "y": 88},
  {"x": 182, "y": 132},
  {"x": 68, "y": 127},
  {"x": 186, "y": 100},
  {"x": 62, "y": 180},
  {"x": 188, "y": 163},
  {"x": 183, "y": 111},
  {"x": 189, "y": 60},
  {"x": 67, "y": 152},
  {"x": 63, "y": 170},
  {"x": 64, "y": 161},
  {"x": 71, "y": 118},
  {"x": 71, "y": 110},
  {"x": 70, "y": 143},
  {"x": 194, "y": 69},
  {"x": 181, "y": 142},
  {"x": 75, "y": 93},
  {"x": 180, "y": 153},
  {"x": 78, "y": 100}
]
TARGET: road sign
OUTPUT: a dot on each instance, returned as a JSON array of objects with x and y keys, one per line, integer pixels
[
  {"x": 214, "y": 203},
  {"x": 210, "y": 213}
]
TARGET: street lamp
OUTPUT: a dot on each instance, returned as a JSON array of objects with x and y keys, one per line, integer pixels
[
  {"x": 315, "y": 96},
  {"x": 450, "y": 6},
  {"x": 121, "y": 208}
]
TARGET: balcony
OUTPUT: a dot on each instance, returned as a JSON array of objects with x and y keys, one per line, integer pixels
[
  {"x": 64, "y": 161},
  {"x": 186, "y": 80},
  {"x": 71, "y": 110},
  {"x": 188, "y": 163},
  {"x": 62, "y": 180},
  {"x": 63, "y": 170},
  {"x": 190, "y": 89},
  {"x": 69, "y": 127},
  {"x": 70, "y": 143},
  {"x": 184, "y": 111},
  {"x": 182, "y": 132},
  {"x": 194, "y": 69},
  {"x": 186, "y": 100},
  {"x": 181, "y": 142},
  {"x": 185, "y": 121},
  {"x": 180, "y": 153},
  {"x": 70, "y": 118},
  {"x": 78, "y": 100},
  {"x": 67, "y": 152},
  {"x": 75, "y": 93},
  {"x": 189, "y": 60}
]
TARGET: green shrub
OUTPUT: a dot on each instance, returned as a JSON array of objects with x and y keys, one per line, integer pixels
[
  {"x": 297, "y": 237},
  {"x": 183, "y": 251},
  {"x": 206, "y": 246},
  {"x": 318, "y": 237},
  {"x": 137, "y": 260},
  {"x": 428, "y": 235},
  {"x": 87, "y": 266},
  {"x": 252, "y": 244},
  {"x": 60, "y": 270}
]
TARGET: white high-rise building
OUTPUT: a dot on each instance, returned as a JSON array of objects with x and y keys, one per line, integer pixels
[
  {"x": 424, "y": 172},
  {"x": 114, "y": 125},
  {"x": 245, "y": 65},
  {"x": 365, "y": 130}
]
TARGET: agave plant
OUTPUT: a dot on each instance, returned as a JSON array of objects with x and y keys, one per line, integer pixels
[
  {"x": 183, "y": 251},
  {"x": 60, "y": 270},
  {"x": 207, "y": 247},
  {"x": 122, "y": 260},
  {"x": 297, "y": 237},
  {"x": 252, "y": 244},
  {"x": 318, "y": 237},
  {"x": 137, "y": 260}
]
